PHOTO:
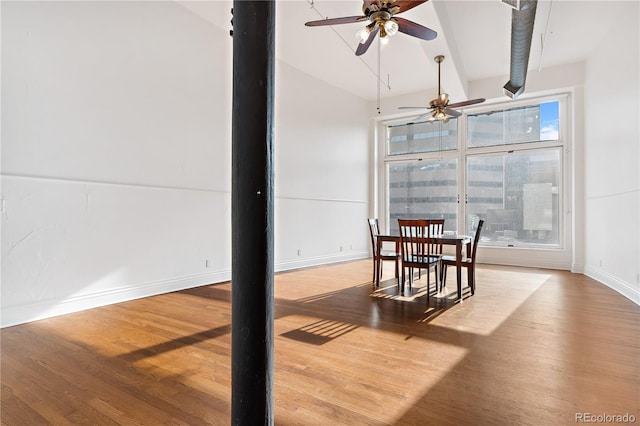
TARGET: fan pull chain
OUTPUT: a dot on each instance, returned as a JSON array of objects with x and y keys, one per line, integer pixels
[
  {"x": 379, "y": 54},
  {"x": 440, "y": 139}
]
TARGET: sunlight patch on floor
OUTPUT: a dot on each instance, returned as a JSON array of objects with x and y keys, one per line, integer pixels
[
  {"x": 376, "y": 358},
  {"x": 492, "y": 303}
]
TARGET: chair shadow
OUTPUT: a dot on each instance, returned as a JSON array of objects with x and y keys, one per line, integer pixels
[
  {"x": 320, "y": 332},
  {"x": 435, "y": 305}
]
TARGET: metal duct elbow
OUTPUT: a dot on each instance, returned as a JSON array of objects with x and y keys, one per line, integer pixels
[{"x": 522, "y": 20}]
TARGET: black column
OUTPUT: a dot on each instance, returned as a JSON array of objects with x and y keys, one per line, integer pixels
[{"x": 252, "y": 212}]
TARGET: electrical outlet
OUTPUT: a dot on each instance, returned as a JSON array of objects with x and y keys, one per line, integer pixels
[{"x": 340, "y": 248}]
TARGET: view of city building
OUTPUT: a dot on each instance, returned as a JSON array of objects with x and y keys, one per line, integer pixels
[{"x": 514, "y": 187}]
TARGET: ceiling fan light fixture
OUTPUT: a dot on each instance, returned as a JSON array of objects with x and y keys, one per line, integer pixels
[
  {"x": 440, "y": 116},
  {"x": 363, "y": 34},
  {"x": 443, "y": 98},
  {"x": 391, "y": 27}
]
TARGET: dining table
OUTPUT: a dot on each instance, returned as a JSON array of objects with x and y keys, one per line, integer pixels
[{"x": 447, "y": 238}]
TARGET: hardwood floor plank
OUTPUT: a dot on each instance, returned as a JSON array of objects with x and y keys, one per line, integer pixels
[{"x": 531, "y": 347}]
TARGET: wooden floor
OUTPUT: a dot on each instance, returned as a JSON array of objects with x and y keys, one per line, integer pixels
[{"x": 531, "y": 347}]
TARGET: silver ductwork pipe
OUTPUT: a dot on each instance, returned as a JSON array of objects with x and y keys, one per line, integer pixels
[{"x": 522, "y": 19}]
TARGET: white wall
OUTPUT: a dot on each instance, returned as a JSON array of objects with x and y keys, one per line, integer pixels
[
  {"x": 116, "y": 156},
  {"x": 612, "y": 155},
  {"x": 322, "y": 169}
]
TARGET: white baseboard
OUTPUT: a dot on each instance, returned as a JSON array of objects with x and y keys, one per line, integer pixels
[
  {"x": 14, "y": 315},
  {"x": 577, "y": 268},
  {"x": 20, "y": 314},
  {"x": 614, "y": 283},
  {"x": 528, "y": 263},
  {"x": 320, "y": 260}
]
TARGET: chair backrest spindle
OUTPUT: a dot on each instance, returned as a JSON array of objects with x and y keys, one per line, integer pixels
[{"x": 416, "y": 235}]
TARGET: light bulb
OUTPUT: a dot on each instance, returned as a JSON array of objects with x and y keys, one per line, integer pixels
[
  {"x": 363, "y": 34},
  {"x": 391, "y": 27}
]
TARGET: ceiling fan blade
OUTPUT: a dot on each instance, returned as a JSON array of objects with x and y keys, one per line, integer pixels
[
  {"x": 408, "y": 4},
  {"x": 336, "y": 21},
  {"x": 368, "y": 3},
  {"x": 362, "y": 47},
  {"x": 420, "y": 117},
  {"x": 452, "y": 112},
  {"x": 466, "y": 103},
  {"x": 416, "y": 30}
]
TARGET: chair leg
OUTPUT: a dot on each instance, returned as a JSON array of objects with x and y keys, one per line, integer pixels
[
  {"x": 375, "y": 269},
  {"x": 471, "y": 278},
  {"x": 428, "y": 281},
  {"x": 410, "y": 278},
  {"x": 443, "y": 279}
]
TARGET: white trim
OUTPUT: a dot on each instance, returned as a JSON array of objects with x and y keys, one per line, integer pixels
[
  {"x": 528, "y": 257},
  {"x": 577, "y": 268},
  {"x": 531, "y": 263},
  {"x": 328, "y": 200},
  {"x": 20, "y": 314},
  {"x": 320, "y": 260},
  {"x": 614, "y": 283},
  {"x": 111, "y": 183}
]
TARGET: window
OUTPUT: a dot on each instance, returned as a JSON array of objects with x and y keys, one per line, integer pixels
[
  {"x": 517, "y": 196},
  {"x": 530, "y": 123},
  {"x": 500, "y": 164},
  {"x": 423, "y": 189},
  {"x": 426, "y": 136}
]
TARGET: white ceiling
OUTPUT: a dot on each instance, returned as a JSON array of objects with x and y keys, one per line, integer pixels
[{"x": 473, "y": 35}]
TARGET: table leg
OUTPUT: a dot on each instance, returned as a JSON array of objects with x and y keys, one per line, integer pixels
[
  {"x": 459, "y": 268},
  {"x": 378, "y": 263}
]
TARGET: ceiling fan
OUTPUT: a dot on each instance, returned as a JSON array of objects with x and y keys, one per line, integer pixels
[
  {"x": 380, "y": 15},
  {"x": 441, "y": 109}
]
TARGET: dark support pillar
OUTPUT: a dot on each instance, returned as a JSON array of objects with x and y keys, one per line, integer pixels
[{"x": 252, "y": 212}]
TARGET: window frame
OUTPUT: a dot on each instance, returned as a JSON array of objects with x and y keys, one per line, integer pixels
[{"x": 462, "y": 153}]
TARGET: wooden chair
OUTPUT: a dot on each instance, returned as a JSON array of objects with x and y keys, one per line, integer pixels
[
  {"x": 469, "y": 262},
  {"x": 380, "y": 254},
  {"x": 418, "y": 248}
]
